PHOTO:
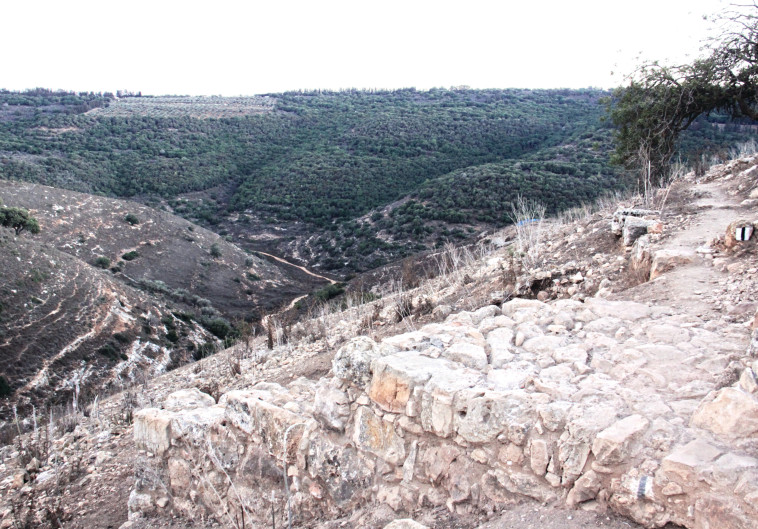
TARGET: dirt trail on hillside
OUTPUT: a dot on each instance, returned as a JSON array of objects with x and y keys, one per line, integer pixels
[
  {"x": 697, "y": 285},
  {"x": 302, "y": 268}
]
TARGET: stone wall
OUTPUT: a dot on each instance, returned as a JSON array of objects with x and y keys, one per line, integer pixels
[{"x": 600, "y": 404}]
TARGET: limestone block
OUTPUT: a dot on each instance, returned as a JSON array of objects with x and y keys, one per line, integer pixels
[
  {"x": 343, "y": 471},
  {"x": 749, "y": 381},
  {"x": 524, "y": 485},
  {"x": 514, "y": 376},
  {"x": 641, "y": 257},
  {"x": 405, "y": 341},
  {"x": 409, "y": 466},
  {"x": 667, "y": 333},
  {"x": 612, "y": 445},
  {"x": 180, "y": 475},
  {"x": 604, "y": 324},
  {"x": 515, "y": 305},
  {"x": 140, "y": 502},
  {"x": 686, "y": 463},
  {"x": 500, "y": 341},
  {"x": 437, "y": 412},
  {"x": 573, "y": 456},
  {"x": 585, "y": 488},
  {"x": 372, "y": 434},
  {"x": 500, "y": 357},
  {"x": 330, "y": 405},
  {"x": 395, "y": 376},
  {"x": 553, "y": 415},
  {"x": 543, "y": 344},
  {"x": 469, "y": 355},
  {"x": 626, "y": 310},
  {"x": 728, "y": 412},
  {"x": 194, "y": 424},
  {"x": 353, "y": 360},
  {"x": 246, "y": 410},
  {"x": 152, "y": 430},
  {"x": 570, "y": 354},
  {"x": 666, "y": 260},
  {"x": 539, "y": 456},
  {"x": 713, "y": 511},
  {"x": 187, "y": 399},
  {"x": 481, "y": 418},
  {"x": 405, "y": 523},
  {"x": 633, "y": 229},
  {"x": 490, "y": 311},
  {"x": 488, "y": 325},
  {"x": 436, "y": 462}
]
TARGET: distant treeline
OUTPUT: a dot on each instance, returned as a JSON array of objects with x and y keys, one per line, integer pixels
[{"x": 323, "y": 157}]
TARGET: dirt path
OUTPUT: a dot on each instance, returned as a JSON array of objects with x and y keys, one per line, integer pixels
[
  {"x": 301, "y": 268},
  {"x": 698, "y": 286}
]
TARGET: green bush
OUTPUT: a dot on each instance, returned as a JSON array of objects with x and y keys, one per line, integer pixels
[
  {"x": 102, "y": 262},
  {"x": 131, "y": 218},
  {"x": 109, "y": 351},
  {"x": 329, "y": 292},
  {"x": 123, "y": 337},
  {"x": 203, "y": 351},
  {"x": 215, "y": 251},
  {"x": 219, "y": 327},
  {"x": 5, "y": 388},
  {"x": 130, "y": 256}
]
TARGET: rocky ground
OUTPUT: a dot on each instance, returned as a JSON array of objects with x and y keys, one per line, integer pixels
[{"x": 628, "y": 385}]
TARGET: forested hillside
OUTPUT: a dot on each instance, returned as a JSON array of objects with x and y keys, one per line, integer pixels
[{"x": 325, "y": 163}]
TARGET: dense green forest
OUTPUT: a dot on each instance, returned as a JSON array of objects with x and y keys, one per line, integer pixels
[{"x": 325, "y": 159}]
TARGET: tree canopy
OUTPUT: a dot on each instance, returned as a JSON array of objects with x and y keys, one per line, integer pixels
[
  {"x": 18, "y": 219},
  {"x": 661, "y": 101}
]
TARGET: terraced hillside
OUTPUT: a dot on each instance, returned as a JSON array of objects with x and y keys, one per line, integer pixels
[
  {"x": 157, "y": 251},
  {"x": 111, "y": 291},
  {"x": 69, "y": 328}
]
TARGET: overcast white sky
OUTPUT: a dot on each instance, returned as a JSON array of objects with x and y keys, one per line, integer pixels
[{"x": 252, "y": 47}]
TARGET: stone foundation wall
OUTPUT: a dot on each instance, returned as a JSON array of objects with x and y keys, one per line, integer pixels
[{"x": 598, "y": 405}]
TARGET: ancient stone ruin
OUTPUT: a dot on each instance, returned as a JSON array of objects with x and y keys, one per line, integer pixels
[{"x": 638, "y": 408}]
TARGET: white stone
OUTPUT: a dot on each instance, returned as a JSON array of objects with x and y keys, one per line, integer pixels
[
  {"x": 612, "y": 445},
  {"x": 187, "y": 399},
  {"x": 469, "y": 355}
]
